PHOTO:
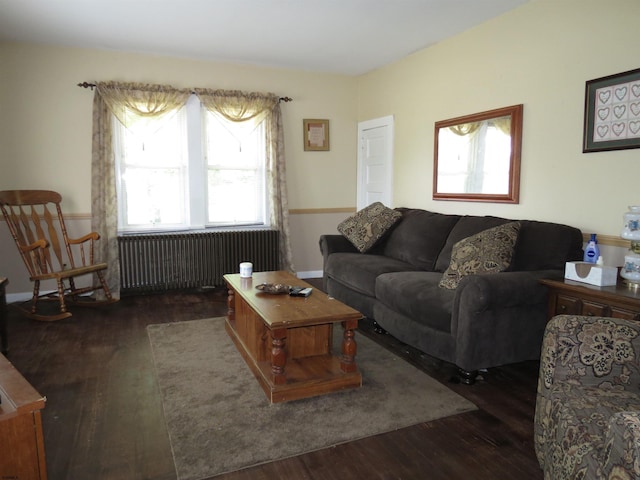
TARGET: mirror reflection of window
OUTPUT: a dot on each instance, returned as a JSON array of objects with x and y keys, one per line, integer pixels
[
  {"x": 477, "y": 156},
  {"x": 474, "y": 157}
]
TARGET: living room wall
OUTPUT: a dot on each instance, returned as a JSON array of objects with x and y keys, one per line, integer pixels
[
  {"x": 45, "y": 133},
  {"x": 540, "y": 55}
]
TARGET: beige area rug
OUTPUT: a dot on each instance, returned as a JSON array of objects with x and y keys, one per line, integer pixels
[{"x": 219, "y": 419}]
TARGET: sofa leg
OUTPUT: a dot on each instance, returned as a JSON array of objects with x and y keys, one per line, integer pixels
[
  {"x": 467, "y": 377},
  {"x": 378, "y": 329}
]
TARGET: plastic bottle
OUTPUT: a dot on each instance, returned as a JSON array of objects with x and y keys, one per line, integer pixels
[{"x": 592, "y": 251}]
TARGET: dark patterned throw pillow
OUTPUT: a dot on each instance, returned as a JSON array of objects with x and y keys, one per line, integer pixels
[
  {"x": 369, "y": 225},
  {"x": 489, "y": 251}
]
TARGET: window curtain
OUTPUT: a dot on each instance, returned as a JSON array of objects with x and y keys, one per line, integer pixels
[
  {"x": 253, "y": 108},
  {"x": 476, "y": 157},
  {"x": 503, "y": 124},
  {"x": 463, "y": 129},
  {"x": 130, "y": 103}
]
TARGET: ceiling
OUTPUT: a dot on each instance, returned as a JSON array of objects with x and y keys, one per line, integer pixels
[{"x": 348, "y": 37}]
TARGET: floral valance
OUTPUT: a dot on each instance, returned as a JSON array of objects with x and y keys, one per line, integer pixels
[{"x": 132, "y": 103}]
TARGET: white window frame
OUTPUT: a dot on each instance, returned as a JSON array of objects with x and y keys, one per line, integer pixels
[{"x": 195, "y": 188}]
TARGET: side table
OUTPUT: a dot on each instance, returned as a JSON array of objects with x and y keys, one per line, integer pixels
[
  {"x": 576, "y": 298},
  {"x": 4, "y": 341}
]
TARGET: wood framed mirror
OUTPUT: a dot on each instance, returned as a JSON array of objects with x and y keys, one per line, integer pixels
[{"x": 477, "y": 157}]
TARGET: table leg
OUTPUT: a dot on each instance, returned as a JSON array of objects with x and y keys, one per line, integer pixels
[
  {"x": 349, "y": 347},
  {"x": 4, "y": 341},
  {"x": 278, "y": 355},
  {"x": 231, "y": 308}
]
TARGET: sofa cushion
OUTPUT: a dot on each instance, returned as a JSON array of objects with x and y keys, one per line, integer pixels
[
  {"x": 465, "y": 227},
  {"x": 489, "y": 251},
  {"x": 416, "y": 295},
  {"x": 359, "y": 272},
  {"x": 369, "y": 225},
  {"x": 419, "y": 237}
]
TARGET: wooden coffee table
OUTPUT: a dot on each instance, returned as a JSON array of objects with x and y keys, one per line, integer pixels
[{"x": 287, "y": 341}]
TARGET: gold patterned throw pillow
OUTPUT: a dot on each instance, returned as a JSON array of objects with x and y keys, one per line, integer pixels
[
  {"x": 368, "y": 225},
  {"x": 489, "y": 251}
]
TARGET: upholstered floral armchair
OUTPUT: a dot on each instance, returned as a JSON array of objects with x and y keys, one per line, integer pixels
[{"x": 587, "y": 420}]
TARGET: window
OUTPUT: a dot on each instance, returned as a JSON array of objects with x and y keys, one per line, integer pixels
[
  {"x": 151, "y": 171},
  {"x": 190, "y": 170},
  {"x": 235, "y": 172}
]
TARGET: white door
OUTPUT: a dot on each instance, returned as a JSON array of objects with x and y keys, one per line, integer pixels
[{"x": 375, "y": 162}]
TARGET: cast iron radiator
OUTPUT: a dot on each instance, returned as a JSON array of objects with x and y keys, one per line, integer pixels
[{"x": 174, "y": 261}]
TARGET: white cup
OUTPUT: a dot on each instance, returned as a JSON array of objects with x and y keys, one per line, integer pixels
[{"x": 246, "y": 269}]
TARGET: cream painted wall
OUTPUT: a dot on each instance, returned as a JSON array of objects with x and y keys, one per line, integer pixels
[
  {"x": 540, "y": 55},
  {"x": 308, "y": 228},
  {"x": 45, "y": 126},
  {"x": 45, "y": 129}
]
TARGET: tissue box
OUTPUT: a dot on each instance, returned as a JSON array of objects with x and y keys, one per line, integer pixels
[{"x": 591, "y": 273}]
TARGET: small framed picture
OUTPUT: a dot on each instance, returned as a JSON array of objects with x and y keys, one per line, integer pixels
[
  {"x": 612, "y": 112},
  {"x": 316, "y": 135}
]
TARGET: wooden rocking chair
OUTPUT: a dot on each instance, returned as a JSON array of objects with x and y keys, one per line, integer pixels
[{"x": 36, "y": 223}]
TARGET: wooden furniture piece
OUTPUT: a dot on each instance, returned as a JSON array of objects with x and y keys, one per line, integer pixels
[
  {"x": 4, "y": 339},
  {"x": 37, "y": 225},
  {"x": 21, "y": 440},
  {"x": 576, "y": 298},
  {"x": 287, "y": 341}
]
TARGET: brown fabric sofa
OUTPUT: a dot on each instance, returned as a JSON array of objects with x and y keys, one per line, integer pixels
[{"x": 488, "y": 320}]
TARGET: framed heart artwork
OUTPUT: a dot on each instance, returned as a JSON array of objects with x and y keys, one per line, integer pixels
[{"x": 612, "y": 112}]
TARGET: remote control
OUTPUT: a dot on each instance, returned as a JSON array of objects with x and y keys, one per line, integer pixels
[{"x": 300, "y": 291}]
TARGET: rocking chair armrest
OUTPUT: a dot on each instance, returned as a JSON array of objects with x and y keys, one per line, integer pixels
[
  {"x": 89, "y": 236},
  {"x": 41, "y": 243}
]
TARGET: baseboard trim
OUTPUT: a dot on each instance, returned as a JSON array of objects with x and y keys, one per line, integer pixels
[{"x": 23, "y": 296}]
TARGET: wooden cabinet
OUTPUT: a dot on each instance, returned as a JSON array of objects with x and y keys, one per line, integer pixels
[
  {"x": 4, "y": 341},
  {"x": 21, "y": 439},
  {"x": 575, "y": 298}
]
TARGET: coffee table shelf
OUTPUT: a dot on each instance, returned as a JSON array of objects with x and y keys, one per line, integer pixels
[{"x": 287, "y": 341}]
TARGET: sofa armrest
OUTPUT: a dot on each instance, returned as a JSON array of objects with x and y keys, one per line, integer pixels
[
  {"x": 590, "y": 351},
  {"x": 582, "y": 351},
  {"x": 499, "y": 318},
  {"x": 622, "y": 442},
  {"x": 332, "y": 243},
  {"x": 500, "y": 290},
  {"x": 335, "y": 244}
]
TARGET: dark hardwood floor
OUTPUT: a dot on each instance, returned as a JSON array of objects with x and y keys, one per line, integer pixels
[{"x": 103, "y": 417}]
